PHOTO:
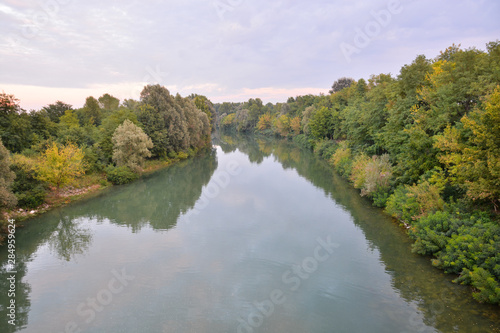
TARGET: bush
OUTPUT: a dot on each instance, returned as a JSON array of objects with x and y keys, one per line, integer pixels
[
  {"x": 409, "y": 203},
  {"x": 325, "y": 149},
  {"x": 372, "y": 176},
  {"x": 32, "y": 198},
  {"x": 488, "y": 288},
  {"x": 29, "y": 191},
  {"x": 342, "y": 161},
  {"x": 402, "y": 206},
  {"x": 120, "y": 175},
  {"x": 182, "y": 155},
  {"x": 467, "y": 244}
]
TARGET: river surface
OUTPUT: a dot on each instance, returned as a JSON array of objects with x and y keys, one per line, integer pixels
[{"x": 254, "y": 236}]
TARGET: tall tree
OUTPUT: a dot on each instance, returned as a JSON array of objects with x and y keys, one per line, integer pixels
[
  {"x": 56, "y": 110},
  {"x": 342, "y": 83},
  {"x": 131, "y": 146},
  {"x": 108, "y": 102},
  {"x": 91, "y": 112}
]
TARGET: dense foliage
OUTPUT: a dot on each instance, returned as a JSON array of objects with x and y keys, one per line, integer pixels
[
  {"x": 58, "y": 144},
  {"x": 425, "y": 145}
]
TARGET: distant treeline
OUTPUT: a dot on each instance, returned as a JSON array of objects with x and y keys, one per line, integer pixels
[
  {"x": 424, "y": 145},
  {"x": 43, "y": 150}
]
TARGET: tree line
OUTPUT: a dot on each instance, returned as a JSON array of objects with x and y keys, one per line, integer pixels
[
  {"x": 44, "y": 150},
  {"x": 424, "y": 145}
]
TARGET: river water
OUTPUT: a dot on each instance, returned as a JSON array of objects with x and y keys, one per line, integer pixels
[{"x": 254, "y": 236}]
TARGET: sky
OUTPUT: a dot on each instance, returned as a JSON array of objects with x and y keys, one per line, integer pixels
[{"x": 227, "y": 50}]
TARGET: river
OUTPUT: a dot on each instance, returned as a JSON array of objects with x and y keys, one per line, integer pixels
[{"x": 254, "y": 236}]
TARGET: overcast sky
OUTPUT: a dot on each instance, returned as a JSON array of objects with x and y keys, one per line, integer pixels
[{"x": 228, "y": 50}]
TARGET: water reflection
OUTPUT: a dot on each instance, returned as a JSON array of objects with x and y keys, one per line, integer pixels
[
  {"x": 445, "y": 306},
  {"x": 204, "y": 275},
  {"x": 155, "y": 201}
]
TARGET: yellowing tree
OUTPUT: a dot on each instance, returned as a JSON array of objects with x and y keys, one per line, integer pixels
[
  {"x": 283, "y": 125},
  {"x": 131, "y": 146},
  {"x": 60, "y": 166},
  {"x": 472, "y": 151},
  {"x": 295, "y": 125},
  {"x": 265, "y": 122}
]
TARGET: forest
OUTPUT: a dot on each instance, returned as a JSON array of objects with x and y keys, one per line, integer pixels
[
  {"x": 423, "y": 145},
  {"x": 50, "y": 154}
]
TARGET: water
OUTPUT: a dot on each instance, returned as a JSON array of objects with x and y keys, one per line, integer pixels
[{"x": 256, "y": 236}]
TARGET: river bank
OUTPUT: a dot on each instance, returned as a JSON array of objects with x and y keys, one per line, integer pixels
[{"x": 85, "y": 187}]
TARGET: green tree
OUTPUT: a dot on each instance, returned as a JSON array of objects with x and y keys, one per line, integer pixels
[
  {"x": 108, "y": 128},
  {"x": 131, "y": 146},
  {"x": 342, "y": 83},
  {"x": 56, "y": 110},
  {"x": 7, "y": 198},
  {"x": 321, "y": 123},
  {"x": 108, "y": 102},
  {"x": 91, "y": 112}
]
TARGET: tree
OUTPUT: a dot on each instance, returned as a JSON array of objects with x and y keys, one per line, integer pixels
[
  {"x": 205, "y": 105},
  {"x": 343, "y": 82},
  {"x": 265, "y": 122},
  {"x": 56, "y": 110},
  {"x": 7, "y": 198},
  {"x": 131, "y": 146},
  {"x": 282, "y": 124},
  {"x": 163, "y": 111},
  {"x": 60, "y": 166},
  {"x": 108, "y": 128},
  {"x": 91, "y": 111},
  {"x": 321, "y": 124},
  {"x": 108, "y": 102},
  {"x": 472, "y": 151},
  {"x": 295, "y": 125}
]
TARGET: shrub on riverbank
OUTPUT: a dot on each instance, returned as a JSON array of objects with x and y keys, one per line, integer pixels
[{"x": 120, "y": 175}]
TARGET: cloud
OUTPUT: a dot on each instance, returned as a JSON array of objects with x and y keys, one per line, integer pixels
[{"x": 284, "y": 44}]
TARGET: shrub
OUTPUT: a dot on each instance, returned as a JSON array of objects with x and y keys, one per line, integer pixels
[
  {"x": 120, "y": 175},
  {"x": 29, "y": 191},
  {"x": 325, "y": 149},
  {"x": 342, "y": 160},
  {"x": 182, "y": 155},
  {"x": 467, "y": 244},
  {"x": 358, "y": 171},
  {"x": 488, "y": 288},
  {"x": 372, "y": 175},
  {"x": 408, "y": 203},
  {"x": 402, "y": 206}
]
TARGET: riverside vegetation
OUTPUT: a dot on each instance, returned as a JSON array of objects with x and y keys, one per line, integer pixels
[
  {"x": 424, "y": 145},
  {"x": 50, "y": 155}
]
